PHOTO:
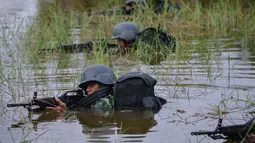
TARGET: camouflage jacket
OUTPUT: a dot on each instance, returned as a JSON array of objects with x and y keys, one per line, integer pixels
[{"x": 104, "y": 103}]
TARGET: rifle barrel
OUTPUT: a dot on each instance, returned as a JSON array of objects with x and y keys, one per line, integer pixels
[
  {"x": 119, "y": 11},
  {"x": 19, "y": 104},
  {"x": 203, "y": 133}
]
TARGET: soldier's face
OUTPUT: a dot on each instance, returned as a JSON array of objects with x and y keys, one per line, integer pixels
[
  {"x": 92, "y": 87},
  {"x": 124, "y": 44},
  {"x": 121, "y": 43}
]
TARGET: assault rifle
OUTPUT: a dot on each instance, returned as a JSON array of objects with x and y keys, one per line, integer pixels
[
  {"x": 233, "y": 132},
  {"x": 88, "y": 46},
  {"x": 127, "y": 9},
  {"x": 69, "y": 48},
  {"x": 72, "y": 99},
  {"x": 118, "y": 11}
]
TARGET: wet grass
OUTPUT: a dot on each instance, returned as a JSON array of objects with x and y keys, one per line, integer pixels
[
  {"x": 193, "y": 22},
  {"x": 218, "y": 20}
]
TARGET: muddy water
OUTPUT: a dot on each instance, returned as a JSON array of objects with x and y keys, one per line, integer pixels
[{"x": 193, "y": 88}]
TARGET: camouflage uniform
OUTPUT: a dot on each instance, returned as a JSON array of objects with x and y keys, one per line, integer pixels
[{"x": 104, "y": 103}]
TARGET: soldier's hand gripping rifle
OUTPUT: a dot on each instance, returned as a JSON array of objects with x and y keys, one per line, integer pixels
[{"x": 234, "y": 132}]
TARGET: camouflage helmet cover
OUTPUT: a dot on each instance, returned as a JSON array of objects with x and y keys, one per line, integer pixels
[
  {"x": 97, "y": 72},
  {"x": 125, "y": 30}
]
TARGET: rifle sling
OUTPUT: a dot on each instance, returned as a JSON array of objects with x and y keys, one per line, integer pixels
[{"x": 89, "y": 100}]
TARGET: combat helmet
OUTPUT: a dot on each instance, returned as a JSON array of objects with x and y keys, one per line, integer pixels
[
  {"x": 97, "y": 72},
  {"x": 125, "y": 30}
]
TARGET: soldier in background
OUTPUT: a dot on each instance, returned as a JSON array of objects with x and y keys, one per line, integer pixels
[
  {"x": 130, "y": 6},
  {"x": 150, "y": 45}
]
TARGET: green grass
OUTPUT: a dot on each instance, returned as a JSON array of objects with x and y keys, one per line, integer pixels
[
  {"x": 218, "y": 19},
  {"x": 194, "y": 21}
]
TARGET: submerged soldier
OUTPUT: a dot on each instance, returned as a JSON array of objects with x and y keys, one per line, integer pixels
[
  {"x": 165, "y": 5},
  {"x": 96, "y": 77},
  {"x": 158, "y": 5},
  {"x": 151, "y": 44},
  {"x": 127, "y": 9},
  {"x": 125, "y": 33},
  {"x": 104, "y": 92},
  {"x": 131, "y": 5}
]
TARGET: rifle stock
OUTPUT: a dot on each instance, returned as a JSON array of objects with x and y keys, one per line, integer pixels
[{"x": 234, "y": 132}]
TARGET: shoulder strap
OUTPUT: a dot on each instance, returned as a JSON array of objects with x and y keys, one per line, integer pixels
[{"x": 88, "y": 101}]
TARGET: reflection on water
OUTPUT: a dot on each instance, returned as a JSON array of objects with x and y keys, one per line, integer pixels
[
  {"x": 192, "y": 85},
  {"x": 130, "y": 125}
]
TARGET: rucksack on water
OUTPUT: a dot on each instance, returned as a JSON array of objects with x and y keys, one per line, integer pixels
[
  {"x": 136, "y": 90},
  {"x": 154, "y": 45},
  {"x": 157, "y": 38}
]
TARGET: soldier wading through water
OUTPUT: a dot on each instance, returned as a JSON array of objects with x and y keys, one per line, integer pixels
[{"x": 131, "y": 91}]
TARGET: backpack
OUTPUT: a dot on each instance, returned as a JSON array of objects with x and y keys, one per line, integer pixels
[
  {"x": 157, "y": 38},
  {"x": 154, "y": 45},
  {"x": 136, "y": 90}
]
